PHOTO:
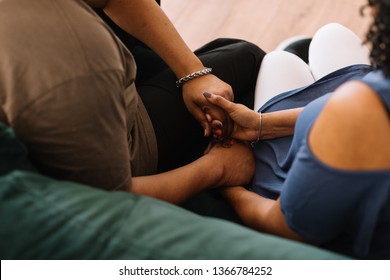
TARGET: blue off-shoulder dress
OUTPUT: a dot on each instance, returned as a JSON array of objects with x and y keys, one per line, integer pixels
[{"x": 345, "y": 211}]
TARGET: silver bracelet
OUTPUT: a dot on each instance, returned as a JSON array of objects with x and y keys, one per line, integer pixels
[
  {"x": 253, "y": 144},
  {"x": 193, "y": 75}
]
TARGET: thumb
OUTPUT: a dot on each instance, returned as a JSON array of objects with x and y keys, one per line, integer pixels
[{"x": 219, "y": 101}]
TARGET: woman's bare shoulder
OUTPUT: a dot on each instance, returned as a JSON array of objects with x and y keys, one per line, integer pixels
[{"x": 353, "y": 130}]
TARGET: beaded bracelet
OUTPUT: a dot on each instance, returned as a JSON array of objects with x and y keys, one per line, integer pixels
[{"x": 191, "y": 76}]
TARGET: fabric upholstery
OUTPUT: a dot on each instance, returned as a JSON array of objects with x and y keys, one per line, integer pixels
[{"x": 43, "y": 218}]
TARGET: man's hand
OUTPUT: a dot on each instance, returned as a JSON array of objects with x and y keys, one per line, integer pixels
[
  {"x": 203, "y": 111},
  {"x": 237, "y": 163}
]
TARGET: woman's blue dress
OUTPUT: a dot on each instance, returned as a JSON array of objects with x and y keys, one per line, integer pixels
[{"x": 345, "y": 211}]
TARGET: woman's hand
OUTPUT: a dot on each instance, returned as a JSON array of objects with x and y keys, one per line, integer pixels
[
  {"x": 198, "y": 106},
  {"x": 245, "y": 123}
]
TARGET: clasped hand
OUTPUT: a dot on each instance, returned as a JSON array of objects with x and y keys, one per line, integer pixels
[
  {"x": 210, "y": 101},
  {"x": 197, "y": 104},
  {"x": 240, "y": 122},
  {"x": 236, "y": 163}
]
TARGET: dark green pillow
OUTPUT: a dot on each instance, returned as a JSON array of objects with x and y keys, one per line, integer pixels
[
  {"x": 41, "y": 218},
  {"x": 13, "y": 154}
]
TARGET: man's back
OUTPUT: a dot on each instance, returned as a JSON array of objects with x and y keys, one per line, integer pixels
[{"x": 66, "y": 86}]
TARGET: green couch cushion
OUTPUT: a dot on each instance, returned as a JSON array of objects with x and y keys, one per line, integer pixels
[
  {"x": 13, "y": 154},
  {"x": 43, "y": 218}
]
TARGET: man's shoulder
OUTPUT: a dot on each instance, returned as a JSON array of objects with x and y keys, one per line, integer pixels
[{"x": 51, "y": 42}]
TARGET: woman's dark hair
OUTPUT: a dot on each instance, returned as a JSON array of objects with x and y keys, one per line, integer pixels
[{"x": 379, "y": 35}]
